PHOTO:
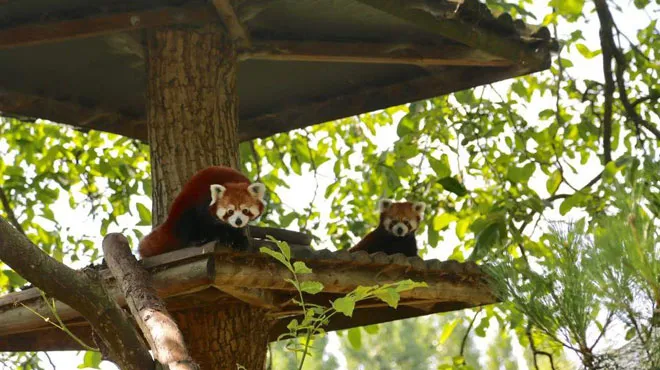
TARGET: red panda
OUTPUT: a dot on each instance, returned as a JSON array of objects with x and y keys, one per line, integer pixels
[
  {"x": 215, "y": 204},
  {"x": 396, "y": 231}
]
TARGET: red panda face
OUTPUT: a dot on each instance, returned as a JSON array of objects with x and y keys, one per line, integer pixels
[
  {"x": 237, "y": 203},
  {"x": 402, "y": 218}
]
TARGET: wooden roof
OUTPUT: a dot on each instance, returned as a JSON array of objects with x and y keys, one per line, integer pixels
[
  {"x": 215, "y": 275},
  {"x": 81, "y": 62}
]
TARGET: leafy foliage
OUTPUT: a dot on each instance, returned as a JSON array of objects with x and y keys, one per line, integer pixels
[
  {"x": 493, "y": 163},
  {"x": 316, "y": 316}
]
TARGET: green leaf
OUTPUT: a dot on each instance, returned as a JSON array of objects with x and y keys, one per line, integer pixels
[
  {"x": 569, "y": 203},
  {"x": 91, "y": 360},
  {"x": 486, "y": 239},
  {"x": 355, "y": 338},
  {"x": 371, "y": 329},
  {"x": 311, "y": 287},
  {"x": 300, "y": 268},
  {"x": 582, "y": 49},
  {"x": 553, "y": 182},
  {"x": 520, "y": 174},
  {"x": 284, "y": 247},
  {"x": 568, "y": 7},
  {"x": 277, "y": 255},
  {"x": 446, "y": 332},
  {"x": 389, "y": 296},
  {"x": 453, "y": 185},
  {"x": 407, "y": 125},
  {"x": 440, "y": 167},
  {"x": 145, "y": 214},
  {"x": 293, "y": 325},
  {"x": 443, "y": 220},
  {"x": 345, "y": 305}
]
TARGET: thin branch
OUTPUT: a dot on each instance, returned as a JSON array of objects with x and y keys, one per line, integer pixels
[
  {"x": 605, "y": 31},
  {"x": 536, "y": 351},
  {"x": 50, "y": 360},
  {"x": 10, "y": 212},
  {"x": 608, "y": 321},
  {"x": 257, "y": 160},
  {"x": 610, "y": 49},
  {"x": 467, "y": 332},
  {"x": 585, "y": 187}
]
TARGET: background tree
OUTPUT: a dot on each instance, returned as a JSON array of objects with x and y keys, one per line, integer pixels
[{"x": 495, "y": 163}]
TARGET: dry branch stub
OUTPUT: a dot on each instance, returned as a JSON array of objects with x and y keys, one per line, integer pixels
[{"x": 149, "y": 311}]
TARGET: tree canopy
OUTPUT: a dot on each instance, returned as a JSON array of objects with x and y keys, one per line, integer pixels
[{"x": 495, "y": 165}]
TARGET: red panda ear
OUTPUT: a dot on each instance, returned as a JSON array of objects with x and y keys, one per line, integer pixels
[
  {"x": 384, "y": 204},
  {"x": 419, "y": 207},
  {"x": 216, "y": 192},
  {"x": 258, "y": 190}
]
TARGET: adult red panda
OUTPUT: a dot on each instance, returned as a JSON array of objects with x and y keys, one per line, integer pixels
[
  {"x": 396, "y": 231},
  {"x": 215, "y": 204}
]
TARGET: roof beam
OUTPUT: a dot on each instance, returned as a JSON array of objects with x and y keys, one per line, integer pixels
[
  {"x": 372, "y": 98},
  {"x": 237, "y": 31},
  {"x": 41, "y": 33},
  {"x": 463, "y": 32},
  {"x": 20, "y": 105},
  {"x": 361, "y": 52}
]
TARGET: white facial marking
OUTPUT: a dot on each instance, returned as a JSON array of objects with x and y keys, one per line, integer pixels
[
  {"x": 384, "y": 204},
  {"x": 217, "y": 191},
  {"x": 413, "y": 225},
  {"x": 238, "y": 220},
  {"x": 258, "y": 190},
  {"x": 387, "y": 222},
  {"x": 220, "y": 212},
  {"x": 399, "y": 229},
  {"x": 255, "y": 211}
]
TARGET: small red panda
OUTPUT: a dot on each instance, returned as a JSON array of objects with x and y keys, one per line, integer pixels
[
  {"x": 215, "y": 204},
  {"x": 396, "y": 231}
]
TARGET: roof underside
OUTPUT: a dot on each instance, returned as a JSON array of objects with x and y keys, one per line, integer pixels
[
  {"x": 214, "y": 275},
  {"x": 81, "y": 62}
]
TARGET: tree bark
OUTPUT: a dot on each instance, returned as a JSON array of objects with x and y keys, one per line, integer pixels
[
  {"x": 226, "y": 336},
  {"x": 82, "y": 290},
  {"x": 158, "y": 327},
  {"x": 192, "y": 116},
  {"x": 192, "y": 107}
]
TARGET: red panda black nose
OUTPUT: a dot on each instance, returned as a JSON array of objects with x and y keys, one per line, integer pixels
[
  {"x": 398, "y": 230},
  {"x": 238, "y": 222}
]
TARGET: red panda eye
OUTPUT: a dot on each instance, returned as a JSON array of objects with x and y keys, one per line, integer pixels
[
  {"x": 246, "y": 212},
  {"x": 230, "y": 212}
]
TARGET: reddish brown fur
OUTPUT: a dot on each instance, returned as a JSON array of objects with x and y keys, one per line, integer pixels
[
  {"x": 195, "y": 195},
  {"x": 381, "y": 240}
]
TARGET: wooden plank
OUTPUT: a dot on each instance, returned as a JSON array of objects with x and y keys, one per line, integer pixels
[
  {"x": 361, "y": 52},
  {"x": 467, "y": 33},
  {"x": 373, "y": 98},
  {"x": 22, "y": 106},
  {"x": 41, "y": 33}
]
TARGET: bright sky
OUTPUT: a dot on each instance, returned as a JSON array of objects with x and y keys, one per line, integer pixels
[{"x": 300, "y": 195}]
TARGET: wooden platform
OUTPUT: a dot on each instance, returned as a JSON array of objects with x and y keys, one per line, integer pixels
[{"x": 215, "y": 275}]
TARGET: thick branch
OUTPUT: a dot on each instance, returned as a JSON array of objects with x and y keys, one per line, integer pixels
[
  {"x": 157, "y": 325},
  {"x": 82, "y": 290}
]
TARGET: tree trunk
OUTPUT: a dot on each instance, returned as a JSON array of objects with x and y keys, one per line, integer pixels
[
  {"x": 192, "y": 115},
  {"x": 192, "y": 107},
  {"x": 224, "y": 337}
]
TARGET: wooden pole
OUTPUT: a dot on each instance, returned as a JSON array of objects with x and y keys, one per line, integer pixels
[{"x": 192, "y": 117}]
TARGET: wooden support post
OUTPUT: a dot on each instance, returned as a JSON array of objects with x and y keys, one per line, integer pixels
[{"x": 192, "y": 117}]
